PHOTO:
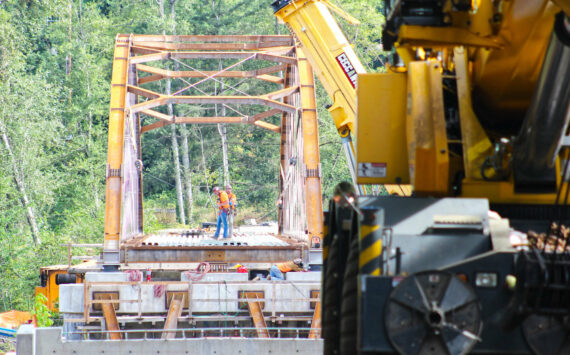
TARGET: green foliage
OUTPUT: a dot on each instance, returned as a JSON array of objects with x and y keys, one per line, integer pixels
[
  {"x": 41, "y": 311},
  {"x": 367, "y": 37},
  {"x": 55, "y": 70}
]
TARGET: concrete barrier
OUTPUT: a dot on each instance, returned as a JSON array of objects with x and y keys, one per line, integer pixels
[{"x": 44, "y": 341}]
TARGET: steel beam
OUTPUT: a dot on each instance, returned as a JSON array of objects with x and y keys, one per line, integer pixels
[
  {"x": 156, "y": 254},
  {"x": 315, "y": 332},
  {"x": 115, "y": 151},
  {"x": 174, "y": 311},
  {"x": 111, "y": 321},
  {"x": 314, "y": 204},
  {"x": 256, "y": 312}
]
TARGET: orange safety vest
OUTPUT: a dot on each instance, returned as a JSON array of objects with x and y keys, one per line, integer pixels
[
  {"x": 223, "y": 200},
  {"x": 289, "y": 266},
  {"x": 233, "y": 200}
]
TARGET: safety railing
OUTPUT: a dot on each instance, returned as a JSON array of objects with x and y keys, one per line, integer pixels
[
  {"x": 71, "y": 257},
  {"x": 186, "y": 333}
]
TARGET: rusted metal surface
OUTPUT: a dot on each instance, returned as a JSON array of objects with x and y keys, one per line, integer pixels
[
  {"x": 270, "y": 60},
  {"x": 149, "y": 53},
  {"x": 256, "y": 312},
  {"x": 253, "y": 244},
  {"x": 115, "y": 147},
  {"x": 174, "y": 311},
  {"x": 313, "y": 195},
  {"x": 111, "y": 320},
  {"x": 150, "y": 254},
  {"x": 315, "y": 332}
]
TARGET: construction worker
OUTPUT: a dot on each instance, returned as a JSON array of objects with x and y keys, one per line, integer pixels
[
  {"x": 277, "y": 271},
  {"x": 223, "y": 210},
  {"x": 233, "y": 211}
]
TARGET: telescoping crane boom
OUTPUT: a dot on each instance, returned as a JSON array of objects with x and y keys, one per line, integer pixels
[
  {"x": 329, "y": 52},
  {"x": 337, "y": 67}
]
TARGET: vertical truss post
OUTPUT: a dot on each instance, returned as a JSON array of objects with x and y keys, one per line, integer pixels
[
  {"x": 314, "y": 205},
  {"x": 284, "y": 216},
  {"x": 111, "y": 258}
]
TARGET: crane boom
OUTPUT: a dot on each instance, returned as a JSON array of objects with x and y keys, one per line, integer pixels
[{"x": 333, "y": 58}]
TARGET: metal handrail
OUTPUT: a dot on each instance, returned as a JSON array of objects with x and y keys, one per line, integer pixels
[
  {"x": 203, "y": 332},
  {"x": 79, "y": 257}
]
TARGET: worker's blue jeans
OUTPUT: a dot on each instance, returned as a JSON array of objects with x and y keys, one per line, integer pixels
[
  {"x": 275, "y": 273},
  {"x": 222, "y": 218}
]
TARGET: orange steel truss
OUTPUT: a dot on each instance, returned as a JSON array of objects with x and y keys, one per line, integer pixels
[{"x": 262, "y": 79}]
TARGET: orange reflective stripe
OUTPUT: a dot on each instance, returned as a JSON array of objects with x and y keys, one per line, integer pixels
[
  {"x": 223, "y": 200},
  {"x": 233, "y": 199},
  {"x": 284, "y": 267}
]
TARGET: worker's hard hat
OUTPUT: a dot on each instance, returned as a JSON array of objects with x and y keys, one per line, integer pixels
[
  {"x": 216, "y": 189},
  {"x": 298, "y": 261},
  {"x": 228, "y": 187}
]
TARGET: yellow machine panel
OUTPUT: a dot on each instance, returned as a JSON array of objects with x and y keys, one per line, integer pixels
[
  {"x": 381, "y": 129},
  {"x": 428, "y": 155},
  {"x": 51, "y": 288},
  {"x": 50, "y": 284}
]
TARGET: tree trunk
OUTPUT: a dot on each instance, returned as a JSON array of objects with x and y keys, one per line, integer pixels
[
  {"x": 175, "y": 153},
  {"x": 223, "y": 135},
  {"x": 187, "y": 173},
  {"x": 206, "y": 171},
  {"x": 176, "y": 158},
  {"x": 21, "y": 187},
  {"x": 187, "y": 177},
  {"x": 221, "y": 126},
  {"x": 222, "y": 131},
  {"x": 89, "y": 151}
]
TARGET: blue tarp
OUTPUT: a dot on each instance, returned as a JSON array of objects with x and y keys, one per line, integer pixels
[{"x": 7, "y": 332}]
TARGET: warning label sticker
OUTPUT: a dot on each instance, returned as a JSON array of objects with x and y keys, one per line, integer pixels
[{"x": 372, "y": 170}]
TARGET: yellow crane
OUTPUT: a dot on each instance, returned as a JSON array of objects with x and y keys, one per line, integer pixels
[
  {"x": 338, "y": 66},
  {"x": 473, "y": 112}
]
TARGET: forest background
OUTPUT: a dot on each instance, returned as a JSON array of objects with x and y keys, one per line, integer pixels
[{"x": 55, "y": 69}]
